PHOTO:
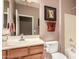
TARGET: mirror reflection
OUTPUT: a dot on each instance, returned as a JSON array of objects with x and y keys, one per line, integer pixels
[{"x": 21, "y": 17}]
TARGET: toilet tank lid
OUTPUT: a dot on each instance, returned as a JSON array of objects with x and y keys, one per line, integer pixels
[{"x": 49, "y": 42}]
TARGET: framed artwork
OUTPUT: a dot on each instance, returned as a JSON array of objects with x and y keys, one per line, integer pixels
[{"x": 49, "y": 13}]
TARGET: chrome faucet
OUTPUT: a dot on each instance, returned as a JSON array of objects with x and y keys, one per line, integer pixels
[{"x": 22, "y": 39}]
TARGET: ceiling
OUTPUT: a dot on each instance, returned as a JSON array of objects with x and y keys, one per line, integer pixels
[{"x": 35, "y": 4}]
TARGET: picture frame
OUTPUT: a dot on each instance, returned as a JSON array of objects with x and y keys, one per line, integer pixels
[{"x": 49, "y": 13}]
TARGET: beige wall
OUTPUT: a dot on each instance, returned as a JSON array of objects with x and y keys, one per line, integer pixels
[
  {"x": 66, "y": 5},
  {"x": 43, "y": 26}
]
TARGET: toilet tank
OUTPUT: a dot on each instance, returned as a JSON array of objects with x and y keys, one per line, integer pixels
[{"x": 51, "y": 46}]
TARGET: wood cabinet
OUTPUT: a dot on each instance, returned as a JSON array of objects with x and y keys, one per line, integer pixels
[
  {"x": 36, "y": 56},
  {"x": 3, "y": 54},
  {"x": 15, "y": 53},
  {"x": 36, "y": 49},
  {"x": 32, "y": 52}
]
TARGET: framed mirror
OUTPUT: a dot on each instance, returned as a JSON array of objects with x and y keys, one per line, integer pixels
[{"x": 25, "y": 18}]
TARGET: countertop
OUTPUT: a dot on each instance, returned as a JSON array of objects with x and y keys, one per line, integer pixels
[{"x": 12, "y": 44}]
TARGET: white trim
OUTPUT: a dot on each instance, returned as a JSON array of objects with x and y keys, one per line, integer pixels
[
  {"x": 25, "y": 15},
  {"x": 17, "y": 23},
  {"x": 32, "y": 21},
  {"x": 60, "y": 15},
  {"x": 60, "y": 18}
]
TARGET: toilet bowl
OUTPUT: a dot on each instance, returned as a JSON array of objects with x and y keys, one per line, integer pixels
[
  {"x": 52, "y": 49},
  {"x": 58, "y": 55}
]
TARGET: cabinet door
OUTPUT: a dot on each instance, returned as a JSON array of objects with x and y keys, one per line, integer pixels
[
  {"x": 3, "y": 54},
  {"x": 36, "y": 49},
  {"x": 37, "y": 56},
  {"x": 17, "y": 53}
]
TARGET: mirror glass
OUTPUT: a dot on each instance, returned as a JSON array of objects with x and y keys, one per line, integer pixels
[{"x": 25, "y": 17}]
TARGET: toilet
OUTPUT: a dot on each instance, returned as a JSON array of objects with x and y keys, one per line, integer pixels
[{"x": 52, "y": 49}]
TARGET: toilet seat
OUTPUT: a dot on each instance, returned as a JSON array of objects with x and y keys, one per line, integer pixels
[{"x": 58, "y": 56}]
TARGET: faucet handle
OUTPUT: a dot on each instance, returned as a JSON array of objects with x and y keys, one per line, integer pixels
[{"x": 21, "y": 35}]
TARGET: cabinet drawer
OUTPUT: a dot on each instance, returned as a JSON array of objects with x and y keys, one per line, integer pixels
[
  {"x": 14, "y": 53},
  {"x": 37, "y": 56},
  {"x": 3, "y": 54},
  {"x": 36, "y": 49}
]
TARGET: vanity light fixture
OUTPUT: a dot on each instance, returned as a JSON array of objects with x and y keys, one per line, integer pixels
[
  {"x": 35, "y": 1},
  {"x": 29, "y": 1},
  {"x": 23, "y": 0}
]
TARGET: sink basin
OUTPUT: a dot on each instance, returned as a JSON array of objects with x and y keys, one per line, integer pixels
[
  {"x": 14, "y": 43},
  {"x": 17, "y": 42}
]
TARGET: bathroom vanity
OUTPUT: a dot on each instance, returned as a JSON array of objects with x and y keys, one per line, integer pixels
[{"x": 29, "y": 50}]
